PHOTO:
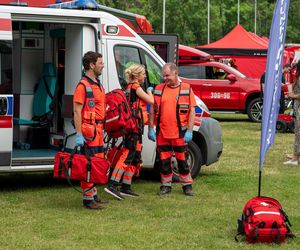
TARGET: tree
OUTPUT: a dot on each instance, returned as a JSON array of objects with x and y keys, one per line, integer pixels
[{"x": 189, "y": 18}]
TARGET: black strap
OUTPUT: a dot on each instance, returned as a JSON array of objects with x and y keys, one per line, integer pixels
[
  {"x": 236, "y": 236},
  {"x": 47, "y": 87},
  {"x": 159, "y": 111},
  {"x": 276, "y": 238}
]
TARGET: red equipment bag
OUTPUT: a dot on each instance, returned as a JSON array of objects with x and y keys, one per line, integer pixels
[
  {"x": 119, "y": 119},
  {"x": 81, "y": 167},
  {"x": 263, "y": 220}
]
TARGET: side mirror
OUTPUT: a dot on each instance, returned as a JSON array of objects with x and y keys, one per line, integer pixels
[{"x": 231, "y": 77}]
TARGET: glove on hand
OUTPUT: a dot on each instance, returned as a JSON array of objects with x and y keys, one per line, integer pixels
[
  {"x": 188, "y": 136},
  {"x": 79, "y": 140},
  {"x": 151, "y": 134},
  {"x": 150, "y": 89}
]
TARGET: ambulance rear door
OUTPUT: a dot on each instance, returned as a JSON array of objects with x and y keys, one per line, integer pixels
[
  {"x": 165, "y": 45},
  {"x": 6, "y": 97}
]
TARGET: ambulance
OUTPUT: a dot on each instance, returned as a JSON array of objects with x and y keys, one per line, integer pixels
[{"x": 40, "y": 65}]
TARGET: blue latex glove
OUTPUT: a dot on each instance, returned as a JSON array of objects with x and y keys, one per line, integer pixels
[
  {"x": 188, "y": 136},
  {"x": 150, "y": 89},
  {"x": 79, "y": 139},
  {"x": 151, "y": 134}
]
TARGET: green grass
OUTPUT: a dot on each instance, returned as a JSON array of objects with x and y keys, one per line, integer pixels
[{"x": 38, "y": 212}]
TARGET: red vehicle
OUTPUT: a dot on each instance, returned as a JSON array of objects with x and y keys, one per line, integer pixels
[{"x": 223, "y": 88}]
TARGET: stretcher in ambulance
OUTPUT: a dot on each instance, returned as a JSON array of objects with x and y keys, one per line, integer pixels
[{"x": 40, "y": 66}]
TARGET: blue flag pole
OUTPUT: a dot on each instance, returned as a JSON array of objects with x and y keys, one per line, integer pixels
[{"x": 273, "y": 76}]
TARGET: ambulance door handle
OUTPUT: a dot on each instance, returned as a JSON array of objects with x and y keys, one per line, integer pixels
[{"x": 207, "y": 84}]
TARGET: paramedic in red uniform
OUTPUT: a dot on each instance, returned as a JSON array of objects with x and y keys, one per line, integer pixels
[
  {"x": 89, "y": 113},
  {"x": 131, "y": 152},
  {"x": 173, "y": 114}
]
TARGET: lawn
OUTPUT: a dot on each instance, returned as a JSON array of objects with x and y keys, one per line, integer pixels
[{"x": 38, "y": 212}]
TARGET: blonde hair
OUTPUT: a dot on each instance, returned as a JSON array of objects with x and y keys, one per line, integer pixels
[{"x": 133, "y": 71}]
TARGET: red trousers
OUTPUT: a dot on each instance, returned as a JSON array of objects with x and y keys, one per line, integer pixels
[
  {"x": 129, "y": 160},
  {"x": 95, "y": 148},
  {"x": 165, "y": 148}
]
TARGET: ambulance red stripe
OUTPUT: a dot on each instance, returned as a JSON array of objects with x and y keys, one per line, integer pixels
[
  {"x": 5, "y": 121},
  {"x": 5, "y": 24}
]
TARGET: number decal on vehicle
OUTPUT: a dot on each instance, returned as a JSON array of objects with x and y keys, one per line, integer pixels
[{"x": 218, "y": 95}]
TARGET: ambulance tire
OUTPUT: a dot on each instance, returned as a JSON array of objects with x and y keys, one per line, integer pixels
[
  {"x": 194, "y": 160},
  {"x": 254, "y": 110},
  {"x": 281, "y": 126}
]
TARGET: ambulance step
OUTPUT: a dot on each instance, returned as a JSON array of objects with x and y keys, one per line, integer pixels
[{"x": 32, "y": 161}]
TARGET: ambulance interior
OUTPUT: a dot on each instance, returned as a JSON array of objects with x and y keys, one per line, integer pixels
[{"x": 45, "y": 56}]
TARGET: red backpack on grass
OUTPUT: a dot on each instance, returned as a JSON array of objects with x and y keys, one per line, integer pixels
[
  {"x": 263, "y": 220},
  {"x": 119, "y": 118}
]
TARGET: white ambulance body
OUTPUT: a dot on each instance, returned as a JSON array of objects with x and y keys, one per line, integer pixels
[{"x": 31, "y": 38}]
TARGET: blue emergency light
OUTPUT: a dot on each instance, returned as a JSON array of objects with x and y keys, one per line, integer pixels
[{"x": 77, "y": 4}]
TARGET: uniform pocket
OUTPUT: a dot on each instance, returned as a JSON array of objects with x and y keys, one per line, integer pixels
[{"x": 88, "y": 131}]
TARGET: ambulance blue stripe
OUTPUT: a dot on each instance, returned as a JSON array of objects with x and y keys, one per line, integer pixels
[{"x": 10, "y": 107}]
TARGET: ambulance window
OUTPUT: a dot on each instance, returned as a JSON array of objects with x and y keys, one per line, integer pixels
[
  {"x": 153, "y": 71},
  {"x": 5, "y": 67},
  {"x": 124, "y": 57}
]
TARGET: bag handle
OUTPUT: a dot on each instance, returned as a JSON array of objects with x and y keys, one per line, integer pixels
[{"x": 68, "y": 172}]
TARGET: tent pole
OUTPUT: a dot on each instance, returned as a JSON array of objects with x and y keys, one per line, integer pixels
[{"x": 259, "y": 183}]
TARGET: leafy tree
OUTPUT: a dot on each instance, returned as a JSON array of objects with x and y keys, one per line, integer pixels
[{"x": 188, "y": 18}]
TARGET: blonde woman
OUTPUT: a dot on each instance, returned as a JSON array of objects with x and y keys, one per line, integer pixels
[{"x": 132, "y": 147}]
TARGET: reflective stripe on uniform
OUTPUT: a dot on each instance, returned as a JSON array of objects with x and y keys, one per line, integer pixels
[
  {"x": 157, "y": 92},
  {"x": 183, "y": 106},
  {"x": 185, "y": 179},
  {"x": 89, "y": 92},
  {"x": 184, "y": 92},
  {"x": 166, "y": 180}
]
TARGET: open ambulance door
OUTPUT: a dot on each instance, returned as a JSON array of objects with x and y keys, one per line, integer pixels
[
  {"x": 6, "y": 97},
  {"x": 166, "y": 46}
]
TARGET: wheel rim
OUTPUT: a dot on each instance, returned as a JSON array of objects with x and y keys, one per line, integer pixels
[
  {"x": 256, "y": 111},
  {"x": 190, "y": 160}
]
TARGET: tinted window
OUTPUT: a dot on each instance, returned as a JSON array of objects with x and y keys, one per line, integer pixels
[
  {"x": 124, "y": 57},
  {"x": 5, "y": 67},
  {"x": 193, "y": 72}
]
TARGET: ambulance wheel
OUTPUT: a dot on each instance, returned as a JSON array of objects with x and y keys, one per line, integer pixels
[
  {"x": 193, "y": 159},
  {"x": 291, "y": 126},
  {"x": 281, "y": 126},
  {"x": 254, "y": 110}
]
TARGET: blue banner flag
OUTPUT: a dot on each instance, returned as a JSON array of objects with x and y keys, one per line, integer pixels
[{"x": 273, "y": 77}]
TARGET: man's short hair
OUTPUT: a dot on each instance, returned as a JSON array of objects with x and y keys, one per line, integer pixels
[
  {"x": 287, "y": 65},
  {"x": 90, "y": 57},
  {"x": 171, "y": 66}
]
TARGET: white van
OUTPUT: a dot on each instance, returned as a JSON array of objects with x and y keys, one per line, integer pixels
[{"x": 41, "y": 45}]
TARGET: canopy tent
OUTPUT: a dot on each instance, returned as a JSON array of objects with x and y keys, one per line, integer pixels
[
  {"x": 188, "y": 54},
  {"x": 247, "y": 49}
]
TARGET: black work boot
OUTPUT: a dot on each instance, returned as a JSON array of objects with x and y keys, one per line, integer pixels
[
  {"x": 187, "y": 190},
  {"x": 127, "y": 191},
  {"x": 164, "y": 190}
]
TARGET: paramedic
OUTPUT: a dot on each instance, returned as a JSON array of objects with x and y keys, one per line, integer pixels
[
  {"x": 89, "y": 110},
  {"x": 295, "y": 95},
  {"x": 130, "y": 159},
  {"x": 173, "y": 114},
  {"x": 286, "y": 69}
]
